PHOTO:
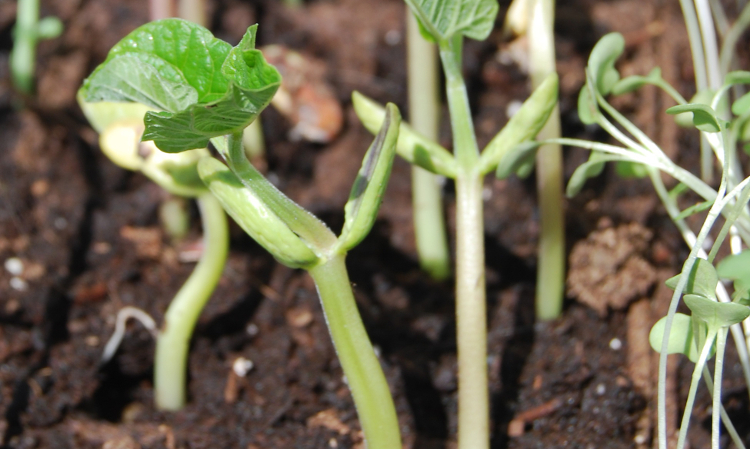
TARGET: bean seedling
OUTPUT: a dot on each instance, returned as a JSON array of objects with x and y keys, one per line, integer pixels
[
  {"x": 26, "y": 33},
  {"x": 201, "y": 89},
  {"x": 446, "y": 22}
]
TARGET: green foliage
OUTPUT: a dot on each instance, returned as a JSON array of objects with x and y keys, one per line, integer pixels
[
  {"x": 716, "y": 314},
  {"x": 367, "y": 192},
  {"x": 680, "y": 339},
  {"x": 524, "y": 125},
  {"x": 736, "y": 267},
  {"x": 203, "y": 87},
  {"x": 589, "y": 169},
  {"x": 702, "y": 279},
  {"x": 443, "y": 19},
  {"x": 704, "y": 117},
  {"x": 635, "y": 82},
  {"x": 412, "y": 146},
  {"x": 601, "y": 64}
]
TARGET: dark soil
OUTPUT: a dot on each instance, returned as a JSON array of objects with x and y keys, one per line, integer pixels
[{"x": 90, "y": 240}]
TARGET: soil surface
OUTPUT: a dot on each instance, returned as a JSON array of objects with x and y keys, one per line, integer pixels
[{"x": 90, "y": 241}]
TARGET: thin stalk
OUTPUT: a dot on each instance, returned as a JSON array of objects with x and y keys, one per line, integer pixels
[
  {"x": 364, "y": 375},
  {"x": 550, "y": 278},
  {"x": 170, "y": 362},
  {"x": 193, "y": 10},
  {"x": 701, "y": 77},
  {"x": 733, "y": 36},
  {"x": 424, "y": 111},
  {"x": 23, "y": 55},
  {"x": 721, "y": 342},
  {"x": 471, "y": 317}
]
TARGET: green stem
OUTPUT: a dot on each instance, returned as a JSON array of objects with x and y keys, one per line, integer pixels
[
  {"x": 23, "y": 55},
  {"x": 170, "y": 362},
  {"x": 424, "y": 111},
  {"x": 364, "y": 375},
  {"x": 550, "y": 278},
  {"x": 471, "y": 315}
]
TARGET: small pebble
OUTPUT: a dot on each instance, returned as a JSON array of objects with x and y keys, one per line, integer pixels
[
  {"x": 513, "y": 108},
  {"x": 601, "y": 389},
  {"x": 242, "y": 366},
  {"x": 615, "y": 344},
  {"x": 19, "y": 284},
  {"x": 14, "y": 266},
  {"x": 252, "y": 329},
  {"x": 393, "y": 37}
]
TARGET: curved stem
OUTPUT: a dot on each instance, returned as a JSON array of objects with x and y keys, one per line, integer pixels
[
  {"x": 364, "y": 375},
  {"x": 170, "y": 362}
]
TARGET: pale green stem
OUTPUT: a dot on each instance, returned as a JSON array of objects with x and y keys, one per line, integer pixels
[
  {"x": 721, "y": 342},
  {"x": 695, "y": 381},
  {"x": 23, "y": 55},
  {"x": 193, "y": 10},
  {"x": 550, "y": 280},
  {"x": 253, "y": 141},
  {"x": 733, "y": 36},
  {"x": 170, "y": 361},
  {"x": 424, "y": 111},
  {"x": 471, "y": 316},
  {"x": 362, "y": 369}
]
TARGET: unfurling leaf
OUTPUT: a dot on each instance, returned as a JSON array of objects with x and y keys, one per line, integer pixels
[
  {"x": 589, "y": 169},
  {"x": 202, "y": 86},
  {"x": 602, "y": 60},
  {"x": 444, "y": 19},
  {"x": 367, "y": 192}
]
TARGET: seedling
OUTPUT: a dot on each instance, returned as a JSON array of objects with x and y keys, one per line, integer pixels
[
  {"x": 201, "y": 90},
  {"x": 426, "y": 187},
  {"x": 535, "y": 20},
  {"x": 713, "y": 312},
  {"x": 446, "y": 22},
  {"x": 121, "y": 126},
  {"x": 27, "y": 32}
]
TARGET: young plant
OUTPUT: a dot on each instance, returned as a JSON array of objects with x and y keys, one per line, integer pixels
[
  {"x": 121, "y": 126},
  {"x": 446, "y": 22},
  {"x": 28, "y": 30},
  {"x": 426, "y": 187},
  {"x": 535, "y": 19},
  {"x": 713, "y": 311},
  {"x": 205, "y": 90}
]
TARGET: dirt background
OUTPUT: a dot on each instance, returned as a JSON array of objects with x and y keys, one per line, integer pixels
[{"x": 90, "y": 240}]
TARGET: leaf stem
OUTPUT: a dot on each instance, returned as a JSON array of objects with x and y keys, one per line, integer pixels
[
  {"x": 550, "y": 279},
  {"x": 23, "y": 55},
  {"x": 424, "y": 110},
  {"x": 362, "y": 369},
  {"x": 170, "y": 362},
  {"x": 471, "y": 316}
]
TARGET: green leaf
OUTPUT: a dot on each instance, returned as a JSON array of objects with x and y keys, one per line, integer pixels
[
  {"x": 735, "y": 266},
  {"x": 367, "y": 192},
  {"x": 630, "y": 169},
  {"x": 255, "y": 216},
  {"x": 443, "y": 19},
  {"x": 716, "y": 314},
  {"x": 602, "y": 60},
  {"x": 412, "y": 146},
  {"x": 681, "y": 339},
  {"x": 737, "y": 77},
  {"x": 704, "y": 118},
  {"x": 694, "y": 209},
  {"x": 523, "y": 126},
  {"x": 742, "y": 105},
  {"x": 203, "y": 87},
  {"x": 702, "y": 279},
  {"x": 589, "y": 169},
  {"x": 704, "y": 96},
  {"x": 517, "y": 158},
  {"x": 635, "y": 82},
  {"x": 588, "y": 110}
]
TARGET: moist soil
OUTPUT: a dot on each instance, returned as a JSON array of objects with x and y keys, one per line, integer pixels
[{"x": 89, "y": 238}]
